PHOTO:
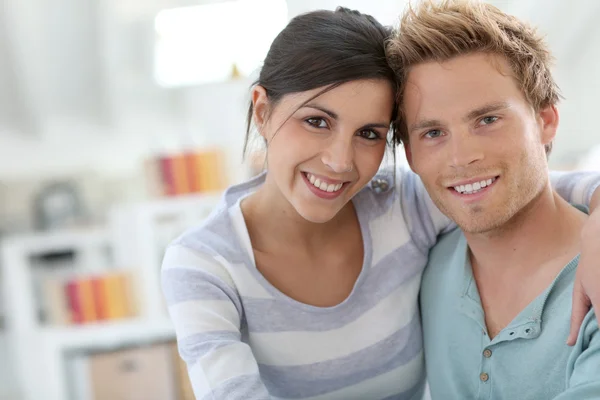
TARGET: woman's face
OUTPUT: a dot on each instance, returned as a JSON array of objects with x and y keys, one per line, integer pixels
[{"x": 328, "y": 149}]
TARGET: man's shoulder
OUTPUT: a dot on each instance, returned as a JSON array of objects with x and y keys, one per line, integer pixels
[
  {"x": 448, "y": 244},
  {"x": 445, "y": 263}
]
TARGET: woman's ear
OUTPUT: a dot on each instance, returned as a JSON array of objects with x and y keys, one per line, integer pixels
[{"x": 260, "y": 108}]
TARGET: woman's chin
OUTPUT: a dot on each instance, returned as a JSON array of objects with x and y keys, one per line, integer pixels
[{"x": 317, "y": 214}]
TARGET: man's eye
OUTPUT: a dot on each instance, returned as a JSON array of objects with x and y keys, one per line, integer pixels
[
  {"x": 433, "y": 134},
  {"x": 317, "y": 122},
  {"x": 488, "y": 120}
]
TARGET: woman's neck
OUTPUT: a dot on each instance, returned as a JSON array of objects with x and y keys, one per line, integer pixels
[{"x": 273, "y": 222}]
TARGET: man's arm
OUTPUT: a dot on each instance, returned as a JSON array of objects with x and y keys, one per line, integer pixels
[
  {"x": 595, "y": 202},
  {"x": 583, "y": 367},
  {"x": 586, "y": 290}
]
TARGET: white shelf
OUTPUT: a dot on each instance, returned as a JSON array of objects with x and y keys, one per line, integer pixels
[
  {"x": 176, "y": 203},
  {"x": 46, "y": 242},
  {"x": 110, "y": 334}
]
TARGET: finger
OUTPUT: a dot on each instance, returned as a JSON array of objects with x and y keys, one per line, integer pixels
[
  {"x": 581, "y": 306},
  {"x": 594, "y": 300}
]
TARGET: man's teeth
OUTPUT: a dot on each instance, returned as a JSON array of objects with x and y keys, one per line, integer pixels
[
  {"x": 473, "y": 187},
  {"x": 323, "y": 185}
]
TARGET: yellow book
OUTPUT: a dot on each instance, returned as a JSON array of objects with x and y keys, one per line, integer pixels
[
  {"x": 211, "y": 169},
  {"x": 130, "y": 295},
  {"x": 113, "y": 293}
]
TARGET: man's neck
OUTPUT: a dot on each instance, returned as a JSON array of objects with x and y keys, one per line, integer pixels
[
  {"x": 515, "y": 264},
  {"x": 534, "y": 236}
]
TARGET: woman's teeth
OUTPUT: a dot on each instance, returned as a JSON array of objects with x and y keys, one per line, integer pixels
[
  {"x": 472, "y": 188},
  {"x": 316, "y": 182}
]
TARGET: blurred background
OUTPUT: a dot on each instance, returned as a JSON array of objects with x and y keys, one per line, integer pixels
[{"x": 121, "y": 121}]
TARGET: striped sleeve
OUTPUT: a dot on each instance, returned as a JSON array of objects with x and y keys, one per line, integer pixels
[
  {"x": 206, "y": 312},
  {"x": 576, "y": 187},
  {"x": 424, "y": 219}
]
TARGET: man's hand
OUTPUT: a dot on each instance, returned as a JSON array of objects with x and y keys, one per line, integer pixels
[{"x": 586, "y": 291}]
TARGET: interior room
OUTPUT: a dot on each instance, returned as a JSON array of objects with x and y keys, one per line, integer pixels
[{"x": 121, "y": 124}]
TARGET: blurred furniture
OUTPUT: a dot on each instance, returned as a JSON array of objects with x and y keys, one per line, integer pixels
[
  {"x": 58, "y": 205},
  {"x": 144, "y": 372},
  {"x": 134, "y": 239}
]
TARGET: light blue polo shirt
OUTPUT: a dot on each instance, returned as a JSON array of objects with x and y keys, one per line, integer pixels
[{"x": 529, "y": 359}]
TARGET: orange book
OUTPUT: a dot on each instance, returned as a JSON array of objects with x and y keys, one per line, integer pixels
[
  {"x": 86, "y": 298},
  {"x": 99, "y": 298},
  {"x": 180, "y": 174},
  {"x": 193, "y": 172}
]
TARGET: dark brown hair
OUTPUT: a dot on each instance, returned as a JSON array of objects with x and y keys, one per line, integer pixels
[{"x": 324, "y": 49}]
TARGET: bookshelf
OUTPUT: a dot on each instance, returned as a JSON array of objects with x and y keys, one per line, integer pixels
[{"x": 133, "y": 241}]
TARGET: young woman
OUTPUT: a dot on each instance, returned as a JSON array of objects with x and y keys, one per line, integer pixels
[{"x": 303, "y": 282}]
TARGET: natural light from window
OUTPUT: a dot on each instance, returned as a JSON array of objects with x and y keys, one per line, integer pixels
[{"x": 205, "y": 43}]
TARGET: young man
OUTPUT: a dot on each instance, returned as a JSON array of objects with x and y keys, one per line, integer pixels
[{"x": 479, "y": 117}]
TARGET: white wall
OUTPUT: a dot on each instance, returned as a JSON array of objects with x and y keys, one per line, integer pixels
[{"x": 140, "y": 118}]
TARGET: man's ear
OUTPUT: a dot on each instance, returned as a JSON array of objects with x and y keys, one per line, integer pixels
[
  {"x": 549, "y": 123},
  {"x": 260, "y": 108},
  {"x": 408, "y": 153}
]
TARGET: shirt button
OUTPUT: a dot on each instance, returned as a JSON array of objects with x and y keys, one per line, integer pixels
[
  {"x": 487, "y": 353},
  {"x": 484, "y": 377}
]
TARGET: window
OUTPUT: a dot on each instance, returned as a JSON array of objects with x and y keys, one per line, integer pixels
[{"x": 205, "y": 43}]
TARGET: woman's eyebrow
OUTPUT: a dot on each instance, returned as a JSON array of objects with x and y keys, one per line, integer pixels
[{"x": 323, "y": 109}]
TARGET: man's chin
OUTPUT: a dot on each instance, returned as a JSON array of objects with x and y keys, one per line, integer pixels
[{"x": 479, "y": 226}]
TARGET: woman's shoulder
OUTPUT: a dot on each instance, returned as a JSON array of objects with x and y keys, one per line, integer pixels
[{"x": 216, "y": 235}]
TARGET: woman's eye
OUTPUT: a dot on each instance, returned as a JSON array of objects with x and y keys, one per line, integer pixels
[
  {"x": 436, "y": 133},
  {"x": 317, "y": 122},
  {"x": 370, "y": 135},
  {"x": 488, "y": 120}
]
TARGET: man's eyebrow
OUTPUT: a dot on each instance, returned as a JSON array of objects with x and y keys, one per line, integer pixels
[
  {"x": 426, "y": 123},
  {"x": 479, "y": 111},
  {"x": 486, "y": 109}
]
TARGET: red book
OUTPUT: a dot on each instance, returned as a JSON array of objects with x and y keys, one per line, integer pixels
[
  {"x": 168, "y": 175},
  {"x": 73, "y": 302}
]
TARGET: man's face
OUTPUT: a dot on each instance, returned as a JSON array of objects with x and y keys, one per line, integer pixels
[{"x": 475, "y": 141}]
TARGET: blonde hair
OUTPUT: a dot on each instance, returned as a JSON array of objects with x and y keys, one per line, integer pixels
[{"x": 441, "y": 30}]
